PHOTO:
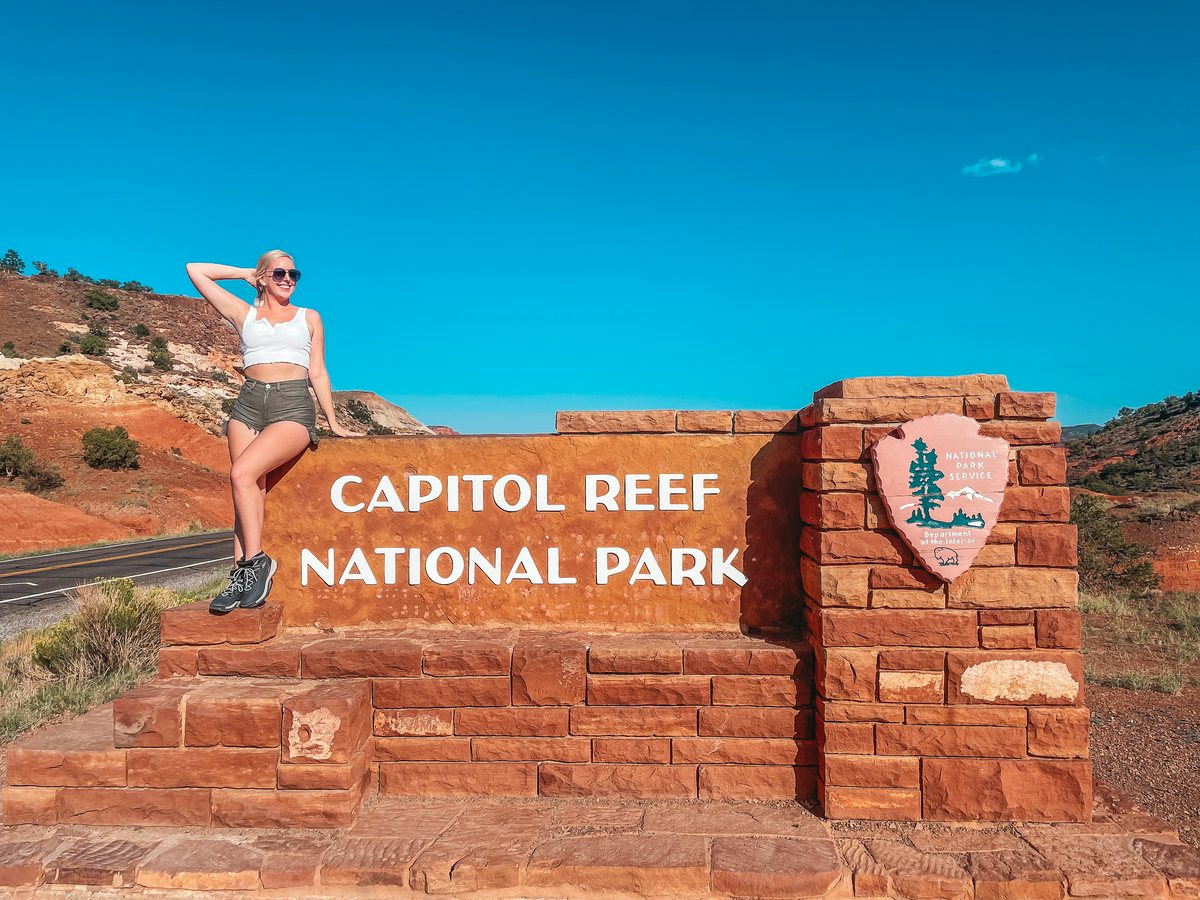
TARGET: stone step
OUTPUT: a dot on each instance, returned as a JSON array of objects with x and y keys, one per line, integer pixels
[{"x": 201, "y": 751}]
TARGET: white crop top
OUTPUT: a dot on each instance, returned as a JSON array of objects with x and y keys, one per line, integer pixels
[{"x": 263, "y": 342}]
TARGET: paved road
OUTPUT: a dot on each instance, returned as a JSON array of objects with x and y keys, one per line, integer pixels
[{"x": 31, "y": 580}]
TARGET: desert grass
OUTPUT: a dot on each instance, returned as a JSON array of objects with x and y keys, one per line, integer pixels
[
  {"x": 1166, "y": 625},
  {"x": 108, "y": 644},
  {"x": 1165, "y": 683}
]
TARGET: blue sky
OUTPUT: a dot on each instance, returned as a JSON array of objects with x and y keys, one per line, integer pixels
[{"x": 504, "y": 209}]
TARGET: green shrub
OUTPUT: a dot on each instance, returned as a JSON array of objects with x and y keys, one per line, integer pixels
[
  {"x": 220, "y": 376},
  {"x": 101, "y": 300},
  {"x": 15, "y": 458},
  {"x": 161, "y": 359},
  {"x": 110, "y": 448},
  {"x": 359, "y": 411},
  {"x": 128, "y": 375},
  {"x": 42, "y": 269},
  {"x": 1107, "y": 561},
  {"x": 108, "y": 283},
  {"x": 12, "y": 262},
  {"x": 93, "y": 345},
  {"x": 141, "y": 330},
  {"x": 74, "y": 274},
  {"x": 65, "y": 347},
  {"x": 39, "y": 480},
  {"x": 137, "y": 287},
  {"x": 158, "y": 342},
  {"x": 227, "y": 405},
  {"x": 10, "y": 350}
]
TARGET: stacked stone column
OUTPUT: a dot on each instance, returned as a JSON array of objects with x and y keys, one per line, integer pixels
[{"x": 936, "y": 701}]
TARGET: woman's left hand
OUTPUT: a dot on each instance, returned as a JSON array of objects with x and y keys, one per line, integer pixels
[{"x": 338, "y": 430}]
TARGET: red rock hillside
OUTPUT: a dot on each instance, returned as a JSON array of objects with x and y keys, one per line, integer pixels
[{"x": 50, "y": 394}]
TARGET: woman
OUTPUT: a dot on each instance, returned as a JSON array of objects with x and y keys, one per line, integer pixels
[{"x": 273, "y": 420}]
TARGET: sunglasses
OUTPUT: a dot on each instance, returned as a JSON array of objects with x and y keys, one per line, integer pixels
[{"x": 278, "y": 274}]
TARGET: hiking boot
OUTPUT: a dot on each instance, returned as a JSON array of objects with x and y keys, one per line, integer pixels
[
  {"x": 259, "y": 571},
  {"x": 227, "y": 600}
]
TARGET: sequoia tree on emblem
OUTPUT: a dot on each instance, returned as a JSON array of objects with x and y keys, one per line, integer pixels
[{"x": 942, "y": 484}]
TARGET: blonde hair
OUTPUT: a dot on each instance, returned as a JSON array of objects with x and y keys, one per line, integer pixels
[{"x": 266, "y": 263}]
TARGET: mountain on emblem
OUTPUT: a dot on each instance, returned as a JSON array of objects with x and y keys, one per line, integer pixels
[{"x": 942, "y": 484}]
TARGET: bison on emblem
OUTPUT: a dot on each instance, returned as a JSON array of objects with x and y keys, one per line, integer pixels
[{"x": 945, "y": 556}]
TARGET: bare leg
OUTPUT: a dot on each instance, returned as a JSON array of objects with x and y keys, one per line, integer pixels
[
  {"x": 240, "y": 436},
  {"x": 275, "y": 445}
]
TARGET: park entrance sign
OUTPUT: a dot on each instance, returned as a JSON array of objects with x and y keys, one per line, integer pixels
[{"x": 942, "y": 484}]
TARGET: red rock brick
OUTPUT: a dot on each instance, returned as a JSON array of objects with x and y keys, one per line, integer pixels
[
  {"x": 887, "y": 804},
  {"x": 834, "y": 585},
  {"x": 650, "y": 721},
  {"x": 76, "y": 753},
  {"x": 996, "y": 555},
  {"x": 30, "y": 805},
  {"x": 520, "y": 722},
  {"x": 1058, "y": 732},
  {"x": 373, "y": 861},
  {"x": 235, "y": 716},
  {"x": 648, "y": 690},
  {"x": 913, "y": 386},
  {"x": 287, "y": 809},
  {"x": 289, "y": 870},
  {"x": 549, "y": 672},
  {"x": 1023, "y": 405},
  {"x": 886, "y": 577},
  {"x": 201, "y": 865},
  {"x": 322, "y": 778},
  {"x": 847, "y": 547},
  {"x": 774, "y": 866},
  {"x": 843, "y": 442},
  {"x": 899, "y": 627},
  {"x": 704, "y": 420},
  {"x": 361, "y": 657},
  {"x": 980, "y": 407},
  {"x": 414, "y": 722},
  {"x": 183, "y": 768},
  {"x": 632, "y": 750},
  {"x": 1024, "y": 677},
  {"x": 949, "y": 740},
  {"x": 1020, "y": 588},
  {"x": 481, "y": 690},
  {"x": 833, "y": 510},
  {"x": 916, "y": 874},
  {"x": 1015, "y": 875},
  {"x": 846, "y": 674},
  {"x": 631, "y": 656},
  {"x": 794, "y": 659},
  {"x": 1007, "y": 637},
  {"x": 900, "y": 659},
  {"x": 761, "y": 690},
  {"x": 1042, "y": 465},
  {"x": 613, "y": 780},
  {"x": 1006, "y": 617},
  {"x": 424, "y": 749},
  {"x": 1047, "y": 545},
  {"x": 752, "y": 751},
  {"x": 280, "y": 660},
  {"x": 641, "y": 421},
  {"x": 1023, "y": 433},
  {"x": 458, "y": 779},
  {"x": 175, "y": 661},
  {"x": 877, "y": 516},
  {"x": 469, "y": 657},
  {"x": 911, "y": 687},
  {"x": 132, "y": 806},
  {"x": 534, "y": 749},
  {"x": 743, "y": 721},
  {"x": 467, "y": 857},
  {"x": 965, "y": 715},
  {"x": 846, "y": 737},
  {"x": 840, "y": 711},
  {"x": 903, "y": 409},
  {"x": 1036, "y": 504},
  {"x": 758, "y": 421},
  {"x": 735, "y": 782},
  {"x": 106, "y": 862},
  {"x": 1059, "y": 629},
  {"x": 836, "y": 476},
  {"x": 634, "y": 864},
  {"x": 1033, "y": 790},
  {"x": 847, "y": 770},
  {"x": 892, "y": 598},
  {"x": 327, "y": 724},
  {"x": 192, "y": 623},
  {"x": 150, "y": 715}
]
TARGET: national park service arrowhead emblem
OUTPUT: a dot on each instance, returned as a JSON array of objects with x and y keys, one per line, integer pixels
[{"x": 942, "y": 483}]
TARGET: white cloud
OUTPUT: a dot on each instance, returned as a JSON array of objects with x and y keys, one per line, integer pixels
[{"x": 996, "y": 166}]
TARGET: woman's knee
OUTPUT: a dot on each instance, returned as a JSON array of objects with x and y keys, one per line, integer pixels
[{"x": 244, "y": 476}]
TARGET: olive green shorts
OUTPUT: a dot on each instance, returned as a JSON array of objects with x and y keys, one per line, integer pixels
[{"x": 263, "y": 403}]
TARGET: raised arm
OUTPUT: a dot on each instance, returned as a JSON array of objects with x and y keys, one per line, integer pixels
[
  {"x": 318, "y": 376},
  {"x": 205, "y": 277}
]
